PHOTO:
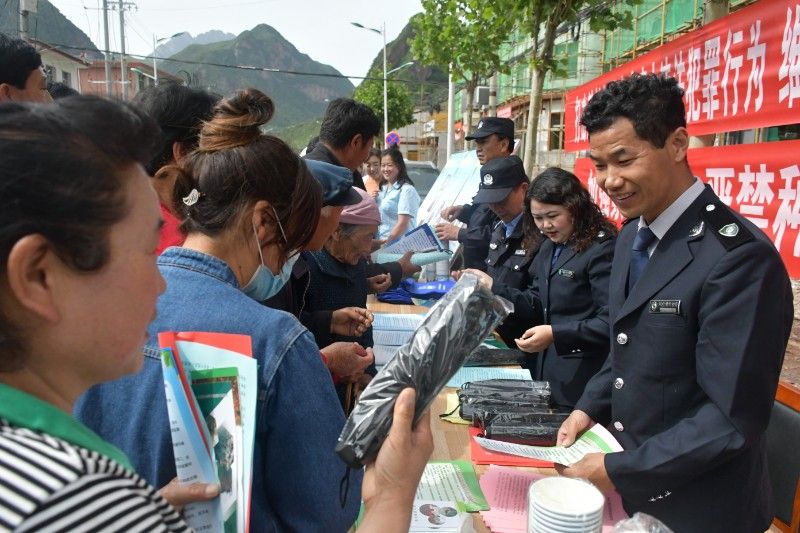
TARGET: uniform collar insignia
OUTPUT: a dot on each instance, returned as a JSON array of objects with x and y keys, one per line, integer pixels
[
  {"x": 696, "y": 230},
  {"x": 729, "y": 230}
]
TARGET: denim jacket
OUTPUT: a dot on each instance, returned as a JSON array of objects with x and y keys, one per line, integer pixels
[{"x": 296, "y": 478}]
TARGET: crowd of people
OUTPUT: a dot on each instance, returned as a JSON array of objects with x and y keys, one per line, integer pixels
[{"x": 177, "y": 213}]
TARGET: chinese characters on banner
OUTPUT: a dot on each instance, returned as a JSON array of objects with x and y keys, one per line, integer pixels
[
  {"x": 760, "y": 181},
  {"x": 739, "y": 72}
]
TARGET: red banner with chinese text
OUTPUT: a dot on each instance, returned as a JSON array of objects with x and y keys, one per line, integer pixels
[
  {"x": 760, "y": 181},
  {"x": 739, "y": 72}
]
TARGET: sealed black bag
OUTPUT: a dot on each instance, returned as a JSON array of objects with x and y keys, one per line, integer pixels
[
  {"x": 458, "y": 323},
  {"x": 483, "y": 356},
  {"x": 508, "y": 385},
  {"x": 531, "y": 434},
  {"x": 519, "y": 416},
  {"x": 471, "y": 405}
]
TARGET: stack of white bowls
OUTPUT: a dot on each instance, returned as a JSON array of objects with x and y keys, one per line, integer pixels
[{"x": 564, "y": 505}]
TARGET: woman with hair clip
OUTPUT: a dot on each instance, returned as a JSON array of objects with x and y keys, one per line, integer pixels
[
  {"x": 563, "y": 314},
  {"x": 249, "y": 205},
  {"x": 398, "y": 200}
]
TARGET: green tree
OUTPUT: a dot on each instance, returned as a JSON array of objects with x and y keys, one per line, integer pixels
[
  {"x": 370, "y": 92},
  {"x": 541, "y": 19},
  {"x": 464, "y": 36}
]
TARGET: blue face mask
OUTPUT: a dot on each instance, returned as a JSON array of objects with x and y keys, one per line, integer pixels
[{"x": 264, "y": 284}]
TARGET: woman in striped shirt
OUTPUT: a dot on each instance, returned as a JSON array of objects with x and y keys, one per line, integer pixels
[{"x": 79, "y": 228}]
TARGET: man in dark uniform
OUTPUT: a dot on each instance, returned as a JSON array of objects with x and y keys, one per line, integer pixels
[
  {"x": 700, "y": 308},
  {"x": 502, "y": 189},
  {"x": 494, "y": 138}
]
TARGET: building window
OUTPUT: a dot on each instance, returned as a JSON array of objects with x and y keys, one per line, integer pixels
[
  {"x": 49, "y": 74},
  {"x": 66, "y": 78},
  {"x": 555, "y": 137}
]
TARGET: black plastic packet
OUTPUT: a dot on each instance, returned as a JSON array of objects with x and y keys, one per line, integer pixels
[
  {"x": 483, "y": 356},
  {"x": 529, "y": 434},
  {"x": 454, "y": 327},
  {"x": 518, "y": 416}
]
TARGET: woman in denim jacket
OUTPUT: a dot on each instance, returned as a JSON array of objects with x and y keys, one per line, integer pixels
[{"x": 249, "y": 206}]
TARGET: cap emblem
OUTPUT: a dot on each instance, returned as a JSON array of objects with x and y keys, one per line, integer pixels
[
  {"x": 488, "y": 179},
  {"x": 480, "y": 124}
]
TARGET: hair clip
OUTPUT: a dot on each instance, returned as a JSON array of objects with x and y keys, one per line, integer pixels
[{"x": 192, "y": 198}]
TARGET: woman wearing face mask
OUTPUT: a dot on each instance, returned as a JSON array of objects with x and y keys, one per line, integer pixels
[
  {"x": 564, "y": 311},
  {"x": 398, "y": 199},
  {"x": 249, "y": 206}
]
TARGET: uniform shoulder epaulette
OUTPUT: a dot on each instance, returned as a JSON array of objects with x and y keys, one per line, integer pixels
[{"x": 728, "y": 230}]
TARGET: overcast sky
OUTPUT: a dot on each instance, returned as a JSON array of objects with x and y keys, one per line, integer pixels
[{"x": 318, "y": 28}]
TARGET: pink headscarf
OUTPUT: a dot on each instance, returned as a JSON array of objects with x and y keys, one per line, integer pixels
[{"x": 364, "y": 212}]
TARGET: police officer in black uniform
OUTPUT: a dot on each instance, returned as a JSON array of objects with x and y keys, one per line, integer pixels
[
  {"x": 494, "y": 138},
  {"x": 700, "y": 308},
  {"x": 503, "y": 187}
]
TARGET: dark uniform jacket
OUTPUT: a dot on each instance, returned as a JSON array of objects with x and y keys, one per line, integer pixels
[
  {"x": 475, "y": 237},
  {"x": 571, "y": 296},
  {"x": 696, "y": 352}
]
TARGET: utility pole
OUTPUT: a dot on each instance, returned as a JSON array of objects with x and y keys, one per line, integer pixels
[
  {"x": 107, "y": 50},
  {"x": 25, "y": 7},
  {"x": 123, "y": 73},
  {"x": 493, "y": 95},
  {"x": 450, "y": 111}
]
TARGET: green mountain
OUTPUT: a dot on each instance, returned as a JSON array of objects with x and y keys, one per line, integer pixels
[
  {"x": 427, "y": 85},
  {"x": 50, "y": 26},
  {"x": 298, "y": 98}
]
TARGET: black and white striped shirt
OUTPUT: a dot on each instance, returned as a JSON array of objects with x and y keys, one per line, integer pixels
[{"x": 48, "y": 484}]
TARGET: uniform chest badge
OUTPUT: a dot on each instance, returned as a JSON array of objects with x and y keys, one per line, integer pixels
[
  {"x": 520, "y": 252},
  {"x": 665, "y": 307},
  {"x": 729, "y": 230},
  {"x": 488, "y": 179},
  {"x": 566, "y": 273}
]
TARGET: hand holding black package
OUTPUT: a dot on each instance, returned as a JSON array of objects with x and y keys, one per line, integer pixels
[{"x": 454, "y": 327}]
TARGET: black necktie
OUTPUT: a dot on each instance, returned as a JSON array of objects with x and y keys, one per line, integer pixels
[
  {"x": 644, "y": 238},
  {"x": 556, "y": 252}
]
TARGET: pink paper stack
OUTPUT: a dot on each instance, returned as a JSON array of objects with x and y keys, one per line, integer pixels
[{"x": 506, "y": 490}]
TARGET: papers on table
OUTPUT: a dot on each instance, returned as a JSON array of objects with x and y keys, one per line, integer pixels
[
  {"x": 452, "y": 481},
  {"x": 436, "y": 515},
  {"x": 506, "y": 491},
  {"x": 482, "y": 456},
  {"x": 452, "y": 408},
  {"x": 595, "y": 439},
  {"x": 390, "y": 331},
  {"x": 478, "y": 373}
]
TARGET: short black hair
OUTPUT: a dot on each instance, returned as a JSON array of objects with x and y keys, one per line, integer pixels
[
  {"x": 17, "y": 60},
  {"x": 652, "y": 102},
  {"x": 180, "y": 112},
  {"x": 60, "y": 90},
  {"x": 61, "y": 177},
  {"x": 344, "y": 119}
]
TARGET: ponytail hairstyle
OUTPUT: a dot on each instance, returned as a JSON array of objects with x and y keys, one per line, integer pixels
[
  {"x": 236, "y": 165},
  {"x": 399, "y": 162},
  {"x": 556, "y": 186}
]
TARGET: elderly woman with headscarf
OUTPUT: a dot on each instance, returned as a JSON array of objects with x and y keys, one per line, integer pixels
[{"x": 340, "y": 271}]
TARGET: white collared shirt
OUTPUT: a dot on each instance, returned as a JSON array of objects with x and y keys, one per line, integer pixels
[{"x": 663, "y": 222}]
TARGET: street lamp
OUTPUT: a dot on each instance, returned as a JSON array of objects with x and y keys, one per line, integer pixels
[
  {"x": 155, "y": 43},
  {"x": 385, "y": 92}
]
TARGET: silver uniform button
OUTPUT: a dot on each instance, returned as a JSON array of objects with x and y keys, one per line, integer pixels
[
  {"x": 516, "y": 267},
  {"x": 619, "y": 383},
  {"x": 710, "y": 207},
  {"x": 622, "y": 339},
  {"x": 618, "y": 426}
]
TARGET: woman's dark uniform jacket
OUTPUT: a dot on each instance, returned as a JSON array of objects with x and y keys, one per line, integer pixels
[
  {"x": 572, "y": 297},
  {"x": 697, "y": 349}
]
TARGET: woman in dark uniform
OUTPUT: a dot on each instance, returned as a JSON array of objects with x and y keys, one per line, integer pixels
[{"x": 564, "y": 311}]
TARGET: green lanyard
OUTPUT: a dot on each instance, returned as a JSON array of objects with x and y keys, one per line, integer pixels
[{"x": 22, "y": 409}]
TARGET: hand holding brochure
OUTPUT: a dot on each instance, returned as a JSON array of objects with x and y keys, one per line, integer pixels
[
  {"x": 595, "y": 439},
  {"x": 421, "y": 240},
  {"x": 210, "y": 382}
]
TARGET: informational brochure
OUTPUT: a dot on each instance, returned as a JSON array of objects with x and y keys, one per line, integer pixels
[
  {"x": 396, "y": 322},
  {"x": 384, "y": 354},
  {"x": 211, "y": 398},
  {"x": 421, "y": 240},
  {"x": 452, "y": 481},
  {"x": 595, "y": 439},
  {"x": 437, "y": 515},
  {"x": 479, "y": 373}
]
